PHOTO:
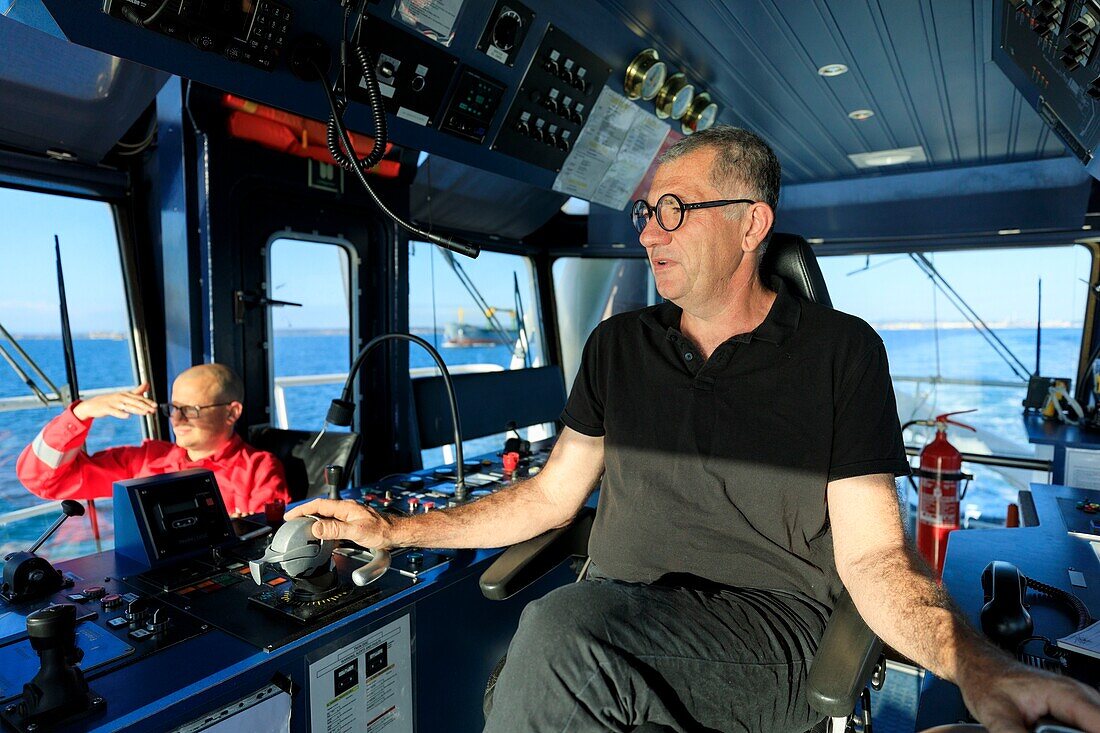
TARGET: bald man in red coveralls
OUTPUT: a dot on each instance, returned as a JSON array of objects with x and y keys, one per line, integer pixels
[{"x": 206, "y": 404}]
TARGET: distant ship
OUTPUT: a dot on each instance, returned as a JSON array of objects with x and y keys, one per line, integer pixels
[{"x": 463, "y": 334}]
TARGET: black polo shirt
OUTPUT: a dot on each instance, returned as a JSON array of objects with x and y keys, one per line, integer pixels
[{"x": 718, "y": 468}]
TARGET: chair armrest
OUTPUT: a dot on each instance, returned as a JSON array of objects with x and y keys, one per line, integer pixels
[
  {"x": 844, "y": 661},
  {"x": 521, "y": 565}
]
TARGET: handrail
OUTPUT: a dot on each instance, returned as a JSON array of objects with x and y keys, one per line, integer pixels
[
  {"x": 17, "y": 515},
  {"x": 11, "y": 404},
  {"x": 962, "y": 382},
  {"x": 1028, "y": 464},
  {"x": 279, "y": 409}
]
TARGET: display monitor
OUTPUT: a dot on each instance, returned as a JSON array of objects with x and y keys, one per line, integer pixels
[{"x": 159, "y": 519}]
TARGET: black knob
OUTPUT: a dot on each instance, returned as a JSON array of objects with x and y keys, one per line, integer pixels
[
  {"x": 386, "y": 70},
  {"x": 135, "y": 613},
  {"x": 158, "y": 624},
  {"x": 334, "y": 479},
  {"x": 53, "y": 622},
  {"x": 334, "y": 475},
  {"x": 72, "y": 508}
]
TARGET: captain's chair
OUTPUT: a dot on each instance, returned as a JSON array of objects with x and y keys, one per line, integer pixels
[
  {"x": 304, "y": 457},
  {"x": 849, "y": 657}
]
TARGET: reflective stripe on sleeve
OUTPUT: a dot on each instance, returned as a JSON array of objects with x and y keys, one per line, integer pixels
[{"x": 51, "y": 456}]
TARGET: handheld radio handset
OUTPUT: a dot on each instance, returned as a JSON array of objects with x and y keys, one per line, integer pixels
[{"x": 1004, "y": 616}]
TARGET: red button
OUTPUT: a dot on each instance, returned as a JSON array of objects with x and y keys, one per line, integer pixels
[{"x": 511, "y": 460}]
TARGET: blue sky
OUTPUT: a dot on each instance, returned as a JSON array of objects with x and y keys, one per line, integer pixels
[{"x": 1001, "y": 285}]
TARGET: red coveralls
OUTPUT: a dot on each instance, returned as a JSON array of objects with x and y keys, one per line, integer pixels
[{"x": 53, "y": 466}]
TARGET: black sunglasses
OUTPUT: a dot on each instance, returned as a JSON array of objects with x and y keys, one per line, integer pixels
[
  {"x": 670, "y": 211},
  {"x": 191, "y": 412}
]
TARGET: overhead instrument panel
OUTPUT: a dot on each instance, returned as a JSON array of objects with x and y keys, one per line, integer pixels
[
  {"x": 1048, "y": 48},
  {"x": 553, "y": 101},
  {"x": 251, "y": 31},
  {"x": 413, "y": 75}
]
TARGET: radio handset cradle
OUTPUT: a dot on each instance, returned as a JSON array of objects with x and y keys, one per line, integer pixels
[
  {"x": 28, "y": 576},
  {"x": 1005, "y": 619}
]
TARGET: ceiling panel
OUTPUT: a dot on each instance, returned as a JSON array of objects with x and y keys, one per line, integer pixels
[{"x": 922, "y": 66}]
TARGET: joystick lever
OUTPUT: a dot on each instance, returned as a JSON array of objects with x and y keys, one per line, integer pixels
[
  {"x": 59, "y": 691},
  {"x": 334, "y": 476},
  {"x": 28, "y": 576}
]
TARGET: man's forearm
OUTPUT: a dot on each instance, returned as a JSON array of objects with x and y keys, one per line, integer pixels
[
  {"x": 906, "y": 608},
  {"x": 514, "y": 514}
]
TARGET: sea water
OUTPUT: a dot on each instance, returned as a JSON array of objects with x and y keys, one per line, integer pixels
[{"x": 951, "y": 354}]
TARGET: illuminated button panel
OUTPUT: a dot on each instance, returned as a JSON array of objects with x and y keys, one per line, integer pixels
[{"x": 553, "y": 101}]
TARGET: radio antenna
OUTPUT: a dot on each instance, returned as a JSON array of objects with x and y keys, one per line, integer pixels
[{"x": 1039, "y": 328}]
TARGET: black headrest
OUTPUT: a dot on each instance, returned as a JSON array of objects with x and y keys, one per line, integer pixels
[
  {"x": 304, "y": 463},
  {"x": 791, "y": 258}
]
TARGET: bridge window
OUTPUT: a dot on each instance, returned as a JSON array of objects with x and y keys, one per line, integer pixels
[
  {"x": 103, "y": 344},
  {"x": 481, "y": 315},
  {"x": 588, "y": 290},
  {"x": 926, "y": 307},
  {"x": 311, "y": 343}
]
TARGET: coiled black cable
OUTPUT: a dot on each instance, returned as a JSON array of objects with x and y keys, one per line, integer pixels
[
  {"x": 349, "y": 160},
  {"x": 1083, "y": 617},
  {"x": 455, "y": 245}
]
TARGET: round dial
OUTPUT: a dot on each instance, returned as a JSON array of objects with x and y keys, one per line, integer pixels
[
  {"x": 707, "y": 117},
  {"x": 675, "y": 97},
  {"x": 654, "y": 80},
  {"x": 506, "y": 29},
  {"x": 681, "y": 103},
  {"x": 645, "y": 75},
  {"x": 700, "y": 116}
]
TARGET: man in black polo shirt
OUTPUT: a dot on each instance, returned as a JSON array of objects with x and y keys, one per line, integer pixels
[{"x": 748, "y": 442}]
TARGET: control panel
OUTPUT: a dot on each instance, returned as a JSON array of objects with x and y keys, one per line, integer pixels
[
  {"x": 135, "y": 631},
  {"x": 553, "y": 101},
  {"x": 253, "y": 32},
  {"x": 413, "y": 75},
  {"x": 1049, "y": 50},
  {"x": 472, "y": 106}
]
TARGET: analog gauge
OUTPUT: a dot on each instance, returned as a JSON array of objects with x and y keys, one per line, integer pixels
[
  {"x": 506, "y": 29},
  {"x": 645, "y": 76},
  {"x": 675, "y": 97},
  {"x": 700, "y": 116}
]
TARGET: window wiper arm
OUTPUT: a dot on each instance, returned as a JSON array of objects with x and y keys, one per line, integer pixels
[
  {"x": 22, "y": 374},
  {"x": 521, "y": 322}
]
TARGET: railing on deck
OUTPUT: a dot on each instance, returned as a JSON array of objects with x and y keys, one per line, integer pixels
[
  {"x": 11, "y": 404},
  {"x": 962, "y": 382},
  {"x": 279, "y": 412}
]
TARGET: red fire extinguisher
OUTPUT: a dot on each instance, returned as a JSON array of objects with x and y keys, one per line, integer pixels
[{"x": 938, "y": 496}]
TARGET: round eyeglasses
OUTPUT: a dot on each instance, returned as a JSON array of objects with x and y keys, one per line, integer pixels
[
  {"x": 670, "y": 211},
  {"x": 190, "y": 412}
]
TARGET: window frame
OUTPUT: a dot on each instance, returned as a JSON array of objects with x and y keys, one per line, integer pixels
[{"x": 355, "y": 341}]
